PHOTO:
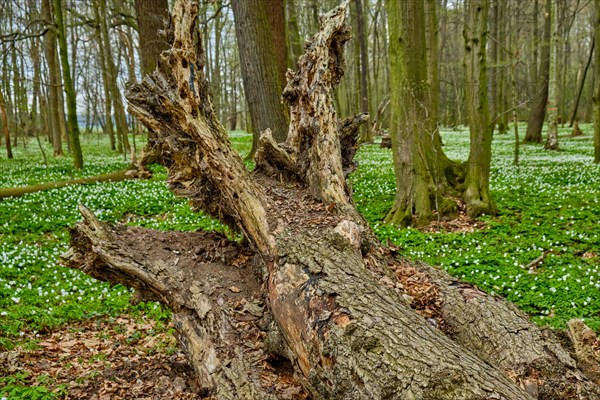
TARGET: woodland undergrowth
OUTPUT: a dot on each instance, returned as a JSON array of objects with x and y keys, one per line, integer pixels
[{"x": 540, "y": 252}]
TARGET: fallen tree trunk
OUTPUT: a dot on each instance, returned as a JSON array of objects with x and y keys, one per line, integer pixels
[
  {"x": 310, "y": 304},
  {"x": 212, "y": 286},
  {"x": 115, "y": 176}
]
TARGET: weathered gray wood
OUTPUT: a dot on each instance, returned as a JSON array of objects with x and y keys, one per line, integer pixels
[{"x": 174, "y": 104}]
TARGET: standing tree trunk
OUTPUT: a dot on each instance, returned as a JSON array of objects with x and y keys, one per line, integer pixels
[
  {"x": 515, "y": 96},
  {"x": 540, "y": 98},
  {"x": 502, "y": 103},
  {"x": 5, "y": 127},
  {"x": 126, "y": 46},
  {"x": 433, "y": 55},
  {"x": 535, "y": 44},
  {"x": 433, "y": 61},
  {"x": 597, "y": 82},
  {"x": 216, "y": 71},
  {"x": 410, "y": 125},
  {"x": 515, "y": 116},
  {"x": 108, "y": 121},
  {"x": 151, "y": 16},
  {"x": 554, "y": 85},
  {"x": 5, "y": 84},
  {"x": 421, "y": 167},
  {"x": 565, "y": 21},
  {"x": 36, "y": 126},
  {"x": 69, "y": 87},
  {"x": 54, "y": 98},
  {"x": 376, "y": 79},
  {"x": 260, "y": 70},
  {"x": 477, "y": 196},
  {"x": 276, "y": 17},
  {"x": 581, "y": 83},
  {"x": 367, "y": 134},
  {"x": 311, "y": 289},
  {"x": 426, "y": 180},
  {"x": 19, "y": 108},
  {"x": 111, "y": 73},
  {"x": 494, "y": 68}
]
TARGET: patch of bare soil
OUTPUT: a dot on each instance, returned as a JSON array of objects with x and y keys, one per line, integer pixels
[
  {"x": 462, "y": 223},
  {"x": 458, "y": 225},
  {"x": 111, "y": 358}
]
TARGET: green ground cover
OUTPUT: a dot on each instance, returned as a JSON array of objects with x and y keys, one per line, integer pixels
[{"x": 549, "y": 204}]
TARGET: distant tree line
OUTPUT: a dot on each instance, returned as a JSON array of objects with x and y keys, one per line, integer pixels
[{"x": 66, "y": 63}]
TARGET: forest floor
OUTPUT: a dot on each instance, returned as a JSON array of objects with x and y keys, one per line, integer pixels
[
  {"x": 66, "y": 335},
  {"x": 100, "y": 359}
]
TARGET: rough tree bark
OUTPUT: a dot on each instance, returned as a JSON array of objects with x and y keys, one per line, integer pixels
[
  {"x": 276, "y": 17},
  {"x": 540, "y": 98},
  {"x": 151, "y": 16},
  {"x": 54, "y": 101},
  {"x": 425, "y": 177},
  {"x": 554, "y": 83},
  {"x": 477, "y": 195},
  {"x": 69, "y": 87},
  {"x": 5, "y": 129},
  {"x": 261, "y": 69},
  {"x": 432, "y": 33},
  {"x": 309, "y": 287},
  {"x": 597, "y": 81}
]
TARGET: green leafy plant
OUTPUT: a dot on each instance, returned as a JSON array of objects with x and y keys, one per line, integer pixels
[
  {"x": 549, "y": 212},
  {"x": 549, "y": 206}
]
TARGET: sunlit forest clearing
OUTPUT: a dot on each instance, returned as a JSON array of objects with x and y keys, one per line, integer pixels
[{"x": 300, "y": 199}]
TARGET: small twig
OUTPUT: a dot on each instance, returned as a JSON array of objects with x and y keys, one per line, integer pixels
[{"x": 535, "y": 263}]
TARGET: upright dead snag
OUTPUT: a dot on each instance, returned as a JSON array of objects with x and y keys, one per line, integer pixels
[
  {"x": 317, "y": 290},
  {"x": 174, "y": 104}
]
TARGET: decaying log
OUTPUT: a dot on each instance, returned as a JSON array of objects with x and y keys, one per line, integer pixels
[
  {"x": 313, "y": 135},
  {"x": 587, "y": 348},
  {"x": 214, "y": 289},
  {"x": 349, "y": 136},
  {"x": 310, "y": 289},
  {"x": 497, "y": 332},
  {"x": 116, "y": 176},
  {"x": 274, "y": 160},
  {"x": 174, "y": 105}
]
